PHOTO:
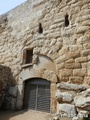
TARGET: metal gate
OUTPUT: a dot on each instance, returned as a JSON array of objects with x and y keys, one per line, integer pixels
[{"x": 37, "y": 95}]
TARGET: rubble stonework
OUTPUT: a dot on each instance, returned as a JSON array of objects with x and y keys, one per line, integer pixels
[
  {"x": 62, "y": 46},
  {"x": 7, "y": 82},
  {"x": 72, "y": 104}
]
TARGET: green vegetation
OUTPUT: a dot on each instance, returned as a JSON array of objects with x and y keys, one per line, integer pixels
[{"x": 86, "y": 118}]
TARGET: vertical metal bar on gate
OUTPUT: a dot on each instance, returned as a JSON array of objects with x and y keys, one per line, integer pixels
[{"x": 36, "y": 97}]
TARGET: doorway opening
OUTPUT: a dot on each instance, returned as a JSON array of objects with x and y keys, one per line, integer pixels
[{"x": 37, "y": 94}]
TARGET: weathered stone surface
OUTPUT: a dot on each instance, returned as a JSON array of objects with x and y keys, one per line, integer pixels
[
  {"x": 73, "y": 48},
  {"x": 63, "y": 50},
  {"x": 72, "y": 65},
  {"x": 64, "y": 79},
  {"x": 66, "y": 72},
  {"x": 82, "y": 114},
  {"x": 62, "y": 58},
  {"x": 85, "y": 52},
  {"x": 19, "y": 104},
  {"x": 49, "y": 75},
  {"x": 87, "y": 81},
  {"x": 82, "y": 29},
  {"x": 63, "y": 96},
  {"x": 86, "y": 46},
  {"x": 76, "y": 80},
  {"x": 13, "y": 91},
  {"x": 67, "y": 108},
  {"x": 75, "y": 118},
  {"x": 61, "y": 65},
  {"x": 71, "y": 60},
  {"x": 66, "y": 47},
  {"x": 83, "y": 39},
  {"x": 82, "y": 100},
  {"x": 70, "y": 86},
  {"x": 79, "y": 72},
  {"x": 81, "y": 59}
]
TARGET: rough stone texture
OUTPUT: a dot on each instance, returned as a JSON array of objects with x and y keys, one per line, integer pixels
[
  {"x": 63, "y": 96},
  {"x": 82, "y": 100},
  {"x": 66, "y": 46},
  {"x": 13, "y": 91},
  {"x": 58, "y": 42},
  {"x": 6, "y": 81},
  {"x": 68, "y": 109},
  {"x": 70, "y": 86},
  {"x": 75, "y": 118},
  {"x": 83, "y": 113}
]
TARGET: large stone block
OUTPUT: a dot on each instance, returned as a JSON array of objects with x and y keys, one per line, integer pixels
[
  {"x": 56, "y": 48},
  {"x": 67, "y": 109},
  {"x": 84, "y": 65},
  {"x": 70, "y": 86},
  {"x": 54, "y": 34},
  {"x": 83, "y": 39},
  {"x": 74, "y": 54},
  {"x": 64, "y": 50},
  {"x": 62, "y": 58},
  {"x": 81, "y": 59},
  {"x": 53, "y": 56},
  {"x": 63, "y": 96},
  {"x": 61, "y": 65},
  {"x": 87, "y": 81},
  {"x": 85, "y": 52},
  {"x": 50, "y": 75},
  {"x": 82, "y": 100},
  {"x": 73, "y": 48},
  {"x": 80, "y": 72},
  {"x": 82, "y": 29},
  {"x": 72, "y": 65},
  {"x": 65, "y": 72},
  {"x": 76, "y": 80},
  {"x": 86, "y": 45},
  {"x": 64, "y": 79}
]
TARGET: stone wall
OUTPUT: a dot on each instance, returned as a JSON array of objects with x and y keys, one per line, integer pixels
[
  {"x": 6, "y": 82},
  {"x": 65, "y": 38}
]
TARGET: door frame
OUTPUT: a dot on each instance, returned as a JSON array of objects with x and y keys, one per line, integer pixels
[
  {"x": 37, "y": 83},
  {"x": 32, "y": 73}
]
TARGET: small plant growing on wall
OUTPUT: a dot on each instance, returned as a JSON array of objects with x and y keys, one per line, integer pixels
[{"x": 87, "y": 118}]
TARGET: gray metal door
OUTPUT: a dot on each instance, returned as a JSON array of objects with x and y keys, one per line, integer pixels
[{"x": 38, "y": 97}]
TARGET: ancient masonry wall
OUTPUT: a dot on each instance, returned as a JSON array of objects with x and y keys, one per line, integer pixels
[{"x": 65, "y": 38}]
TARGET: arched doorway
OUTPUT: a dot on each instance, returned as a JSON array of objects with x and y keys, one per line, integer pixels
[
  {"x": 45, "y": 69},
  {"x": 37, "y": 94}
]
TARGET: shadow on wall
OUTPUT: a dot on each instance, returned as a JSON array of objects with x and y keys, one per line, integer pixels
[{"x": 6, "y": 81}]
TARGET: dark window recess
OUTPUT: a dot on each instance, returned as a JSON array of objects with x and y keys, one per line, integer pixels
[
  {"x": 66, "y": 20},
  {"x": 40, "y": 28},
  {"x": 27, "y": 57}
]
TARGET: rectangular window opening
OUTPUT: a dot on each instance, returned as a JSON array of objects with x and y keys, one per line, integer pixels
[{"x": 27, "y": 56}]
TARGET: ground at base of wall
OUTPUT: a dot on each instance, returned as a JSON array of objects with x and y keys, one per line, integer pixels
[{"x": 26, "y": 115}]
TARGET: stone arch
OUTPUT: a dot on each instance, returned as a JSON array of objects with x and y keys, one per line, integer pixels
[
  {"x": 39, "y": 70},
  {"x": 45, "y": 74}
]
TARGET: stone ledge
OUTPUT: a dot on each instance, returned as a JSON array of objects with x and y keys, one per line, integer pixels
[{"x": 70, "y": 86}]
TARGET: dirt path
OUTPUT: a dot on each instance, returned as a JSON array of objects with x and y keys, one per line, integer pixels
[
  {"x": 24, "y": 115},
  {"x": 27, "y": 115}
]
